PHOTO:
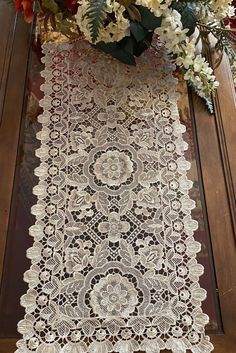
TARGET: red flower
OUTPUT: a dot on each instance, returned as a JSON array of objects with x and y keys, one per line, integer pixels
[
  {"x": 25, "y": 6},
  {"x": 71, "y": 6},
  {"x": 231, "y": 22}
]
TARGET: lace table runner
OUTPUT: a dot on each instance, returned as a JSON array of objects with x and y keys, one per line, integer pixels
[{"x": 114, "y": 259}]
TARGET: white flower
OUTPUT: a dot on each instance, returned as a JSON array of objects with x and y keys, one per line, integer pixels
[
  {"x": 171, "y": 31},
  {"x": 156, "y": 6},
  {"x": 114, "y": 31},
  {"x": 200, "y": 74},
  {"x": 114, "y": 227},
  {"x": 113, "y": 295},
  {"x": 201, "y": 64},
  {"x": 186, "y": 59},
  {"x": 175, "y": 38},
  {"x": 222, "y": 9},
  {"x": 231, "y": 11}
]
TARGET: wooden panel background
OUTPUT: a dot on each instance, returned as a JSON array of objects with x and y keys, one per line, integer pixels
[
  {"x": 216, "y": 145},
  {"x": 215, "y": 141},
  {"x": 14, "y": 44},
  {"x": 15, "y": 38}
]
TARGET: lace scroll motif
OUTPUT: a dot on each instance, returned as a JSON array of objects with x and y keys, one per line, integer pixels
[{"x": 114, "y": 259}]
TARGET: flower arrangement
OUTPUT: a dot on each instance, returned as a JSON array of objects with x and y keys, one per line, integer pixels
[{"x": 126, "y": 28}]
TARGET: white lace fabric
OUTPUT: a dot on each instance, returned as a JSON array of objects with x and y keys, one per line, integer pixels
[{"x": 114, "y": 264}]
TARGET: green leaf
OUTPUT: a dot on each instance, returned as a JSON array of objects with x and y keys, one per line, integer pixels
[
  {"x": 108, "y": 48},
  {"x": 178, "y": 5},
  {"x": 148, "y": 19},
  {"x": 140, "y": 47},
  {"x": 127, "y": 44},
  {"x": 123, "y": 56},
  {"x": 64, "y": 27},
  {"x": 209, "y": 105},
  {"x": 60, "y": 3},
  {"x": 121, "y": 51},
  {"x": 137, "y": 31},
  {"x": 50, "y": 5},
  {"x": 207, "y": 100},
  {"x": 189, "y": 19},
  {"x": 96, "y": 15}
]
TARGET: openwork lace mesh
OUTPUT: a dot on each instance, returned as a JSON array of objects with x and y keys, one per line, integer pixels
[{"x": 114, "y": 259}]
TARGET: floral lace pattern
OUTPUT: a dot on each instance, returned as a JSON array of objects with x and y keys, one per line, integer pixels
[{"x": 114, "y": 259}]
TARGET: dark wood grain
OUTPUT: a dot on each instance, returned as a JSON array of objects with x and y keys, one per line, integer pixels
[
  {"x": 7, "y": 345},
  {"x": 218, "y": 172},
  {"x": 12, "y": 92},
  {"x": 225, "y": 107},
  {"x": 7, "y": 21}
]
